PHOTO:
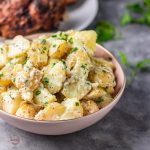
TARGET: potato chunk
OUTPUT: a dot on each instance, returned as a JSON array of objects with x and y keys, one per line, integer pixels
[
  {"x": 89, "y": 107},
  {"x": 38, "y": 52},
  {"x": 88, "y": 38},
  {"x": 18, "y": 46},
  {"x": 27, "y": 110},
  {"x": 11, "y": 100},
  {"x": 5, "y": 75},
  {"x": 53, "y": 111},
  {"x": 3, "y": 55},
  {"x": 59, "y": 48},
  {"x": 55, "y": 77},
  {"x": 73, "y": 109},
  {"x": 26, "y": 79},
  {"x": 43, "y": 97},
  {"x": 95, "y": 93}
]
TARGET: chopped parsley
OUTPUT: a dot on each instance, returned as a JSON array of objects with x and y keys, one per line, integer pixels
[
  {"x": 46, "y": 103},
  {"x": 25, "y": 61},
  {"x": 43, "y": 41},
  {"x": 100, "y": 100},
  {"x": 54, "y": 35},
  {"x": 46, "y": 81},
  {"x": 64, "y": 63},
  {"x": 84, "y": 66},
  {"x": 53, "y": 64},
  {"x": 54, "y": 45},
  {"x": 77, "y": 103},
  {"x": 70, "y": 40},
  {"x": 105, "y": 31},
  {"x": 1, "y": 49},
  {"x": 1, "y": 74},
  {"x": 74, "y": 49},
  {"x": 38, "y": 92}
]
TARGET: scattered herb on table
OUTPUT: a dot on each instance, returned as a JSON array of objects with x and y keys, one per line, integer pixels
[
  {"x": 134, "y": 69},
  {"x": 138, "y": 12},
  {"x": 105, "y": 31}
]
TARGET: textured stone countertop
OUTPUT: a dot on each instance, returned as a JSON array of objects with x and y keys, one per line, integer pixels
[{"x": 127, "y": 126}]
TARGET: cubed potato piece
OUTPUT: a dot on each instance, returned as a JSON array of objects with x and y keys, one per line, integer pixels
[
  {"x": 38, "y": 53},
  {"x": 88, "y": 38},
  {"x": 29, "y": 78},
  {"x": 103, "y": 76},
  {"x": 18, "y": 46},
  {"x": 43, "y": 97},
  {"x": 27, "y": 110},
  {"x": 104, "y": 101},
  {"x": 89, "y": 107},
  {"x": 11, "y": 100},
  {"x": 53, "y": 111},
  {"x": 95, "y": 93},
  {"x": 78, "y": 89},
  {"x": 73, "y": 109},
  {"x": 5, "y": 75},
  {"x": 55, "y": 77},
  {"x": 3, "y": 55},
  {"x": 59, "y": 48}
]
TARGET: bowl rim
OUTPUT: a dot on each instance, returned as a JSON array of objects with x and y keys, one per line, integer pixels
[{"x": 120, "y": 92}]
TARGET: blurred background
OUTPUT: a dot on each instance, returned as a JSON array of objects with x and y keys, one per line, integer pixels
[{"x": 123, "y": 27}]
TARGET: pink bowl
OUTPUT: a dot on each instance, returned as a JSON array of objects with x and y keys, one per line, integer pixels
[{"x": 69, "y": 126}]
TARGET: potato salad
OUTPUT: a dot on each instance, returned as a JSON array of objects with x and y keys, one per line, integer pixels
[{"x": 54, "y": 77}]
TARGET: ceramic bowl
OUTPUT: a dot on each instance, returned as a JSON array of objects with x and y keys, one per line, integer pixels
[{"x": 70, "y": 126}]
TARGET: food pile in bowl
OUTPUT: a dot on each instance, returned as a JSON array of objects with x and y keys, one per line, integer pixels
[{"x": 54, "y": 77}]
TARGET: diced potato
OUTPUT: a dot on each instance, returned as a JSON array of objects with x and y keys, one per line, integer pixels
[
  {"x": 104, "y": 101},
  {"x": 3, "y": 55},
  {"x": 26, "y": 78},
  {"x": 88, "y": 38},
  {"x": 101, "y": 62},
  {"x": 53, "y": 111},
  {"x": 55, "y": 77},
  {"x": 43, "y": 97},
  {"x": 78, "y": 89},
  {"x": 103, "y": 76},
  {"x": 89, "y": 107},
  {"x": 95, "y": 93},
  {"x": 27, "y": 110},
  {"x": 26, "y": 94},
  {"x": 5, "y": 76},
  {"x": 11, "y": 100},
  {"x": 79, "y": 63},
  {"x": 59, "y": 48},
  {"x": 18, "y": 46},
  {"x": 38, "y": 53},
  {"x": 77, "y": 83},
  {"x": 73, "y": 109}
]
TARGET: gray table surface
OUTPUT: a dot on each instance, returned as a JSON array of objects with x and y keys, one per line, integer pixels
[{"x": 127, "y": 126}]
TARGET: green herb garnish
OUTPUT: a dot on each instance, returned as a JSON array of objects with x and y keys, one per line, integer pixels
[
  {"x": 126, "y": 19},
  {"x": 70, "y": 40},
  {"x": 54, "y": 45},
  {"x": 46, "y": 81},
  {"x": 38, "y": 92},
  {"x": 77, "y": 103},
  {"x": 74, "y": 49},
  {"x": 100, "y": 100},
  {"x": 84, "y": 66},
  {"x": 53, "y": 64},
  {"x": 43, "y": 41},
  {"x": 1, "y": 74},
  {"x": 105, "y": 31},
  {"x": 135, "y": 7},
  {"x": 134, "y": 68},
  {"x": 64, "y": 63}
]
